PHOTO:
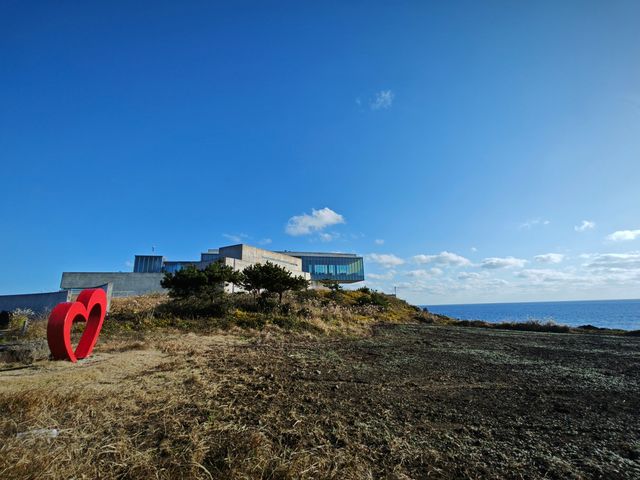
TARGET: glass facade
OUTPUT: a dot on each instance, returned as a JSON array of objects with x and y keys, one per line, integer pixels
[
  {"x": 340, "y": 269},
  {"x": 174, "y": 267},
  {"x": 148, "y": 264}
]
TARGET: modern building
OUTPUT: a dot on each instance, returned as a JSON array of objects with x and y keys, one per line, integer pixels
[
  {"x": 148, "y": 270},
  {"x": 338, "y": 267}
]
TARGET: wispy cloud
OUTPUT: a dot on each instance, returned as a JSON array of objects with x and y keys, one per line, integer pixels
[
  {"x": 382, "y": 100},
  {"x": 382, "y": 276},
  {"x": 237, "y": 238},
  {"x": 549, "y": 258},
  {"x": 387, "y": 260},
  {"x": 327, "y": 237},
  {"x": 623, "y": 235},
  {"x": 529, "y": 224},
  {"x": 502, "y": 262},
  {"x": 421, "y": 273},
  {"x": 613, "y": 261},
  {"x": 265, "y": 241},
  {"x": 541, "y": 275},
  {"x": 378, "y": 241},
  {"x": 316, "y": 221},
  {"x": 585, "y": 225},
  {"x": 468, "y": 275},
  {"x": 443, "y": 258}
]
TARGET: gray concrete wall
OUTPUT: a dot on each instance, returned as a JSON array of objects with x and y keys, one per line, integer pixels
[
  {"x": 250, "y": 255},
  {"x": 125, "y": 284},
  {"x": 38, "y": 302},
  {"x": 107, "y": 287}
]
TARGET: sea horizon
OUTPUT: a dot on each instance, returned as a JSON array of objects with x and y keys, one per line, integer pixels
[
  {"x": 621, "y": 314},
  {"x": 531, "y": 301}
]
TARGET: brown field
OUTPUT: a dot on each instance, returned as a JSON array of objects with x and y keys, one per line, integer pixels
[{"x": 408, "y": 401}]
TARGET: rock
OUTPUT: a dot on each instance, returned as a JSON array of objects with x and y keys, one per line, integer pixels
[{"x": 26, "y": 353}]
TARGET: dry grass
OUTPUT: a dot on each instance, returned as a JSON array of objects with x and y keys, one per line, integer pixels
[
  {"x": 312, "y": 313},
  {"x": 408, "y": 402},
  {"x": 153, "y": 409},
  {"x": 283, "y": 397}
]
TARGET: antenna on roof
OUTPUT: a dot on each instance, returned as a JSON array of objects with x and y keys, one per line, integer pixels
[{"x": 153, "y": 249}]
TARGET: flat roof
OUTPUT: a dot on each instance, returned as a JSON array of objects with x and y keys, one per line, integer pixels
[{"x": 318, "y": 254}]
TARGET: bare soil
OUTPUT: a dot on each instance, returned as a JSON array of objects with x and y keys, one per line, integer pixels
[{"x": 409, "y": 401}]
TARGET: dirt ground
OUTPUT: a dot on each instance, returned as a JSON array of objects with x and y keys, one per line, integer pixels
[{"x": 410, "y": 401}]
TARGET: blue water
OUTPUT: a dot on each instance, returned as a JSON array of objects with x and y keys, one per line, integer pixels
[{"x": 624, "y": 314}]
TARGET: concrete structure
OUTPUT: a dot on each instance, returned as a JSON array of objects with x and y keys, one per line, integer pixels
[
  {"x": 124, "y": 284},
  {"x": 41, "y": 303},
  {"x": 148, "y": 270},
  {"x": 37, "y": 302}
]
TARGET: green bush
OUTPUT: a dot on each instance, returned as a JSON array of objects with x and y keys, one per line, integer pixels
[
  {"x": 373, "y": 298},
  {"x": 304, "y": 296},
  {"x": 266, "y": 303},
  {"x": 331, "y": 285},
  {"x": 272, "y": 279},
  {"x": 195, "y": 306},
  {"x": 191, "y": 281}
]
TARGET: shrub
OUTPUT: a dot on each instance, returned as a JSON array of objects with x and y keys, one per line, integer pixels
[
  {"x": 266, "y": 303},
  {"x": 191, "y": 281},
  {"x": 373, "y": 298},
  {"x": 271, "y": 278},
  {"x": 331, "y": 285},
  {"x": 216, "y": 306},
  {"x": 305, "y": 296}
]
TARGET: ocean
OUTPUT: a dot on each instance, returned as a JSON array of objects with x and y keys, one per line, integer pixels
[{"x": 622, "y": 314}]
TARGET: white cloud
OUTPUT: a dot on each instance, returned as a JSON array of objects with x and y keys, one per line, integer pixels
[
  {"x": 382, "y": 276},
  {"x": 624, "y": 235},
  {"x": 585, "y": 225},
  {"x": 529, "y": 224},
  {"x": 546, "y": 275},
  {"x": 549, "y": 258},
  {"x": 327, "y": 237},
  {"x": 128, "y": 263},
  {"x": 502, "y": 262},
  {"x": 443, "y": 258},
  {"x": 308, "y": 223},
  {"x": 237, "y": 238},
  {"x": 382, "y": 99},
  {"x": 265, "y": 241},
  {"x": 614, "y": 261},
  {"x": 469, "y": 276},
  {"x": 379, "y": 241},
  {"x": 421, "y": 273},
  {"x": 387, "y": 260},
  {"x": 474, "y": 249}
]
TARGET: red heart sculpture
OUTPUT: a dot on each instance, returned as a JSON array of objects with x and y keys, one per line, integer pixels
[{"x": 90, "y": 307}]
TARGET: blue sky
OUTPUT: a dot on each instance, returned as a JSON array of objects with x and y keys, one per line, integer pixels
[{"x": 455, "y": 144}]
